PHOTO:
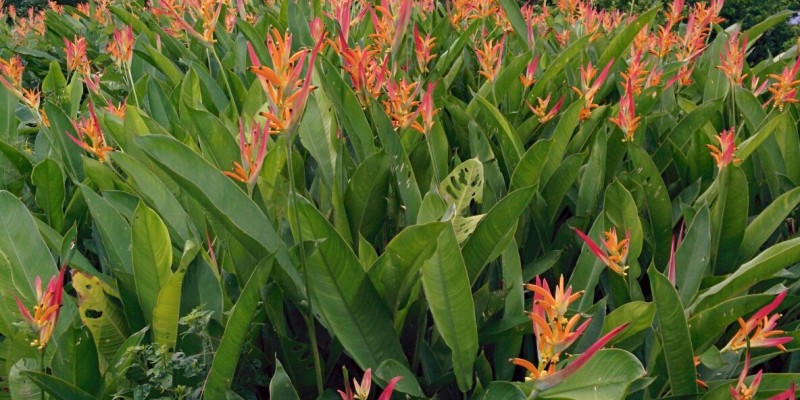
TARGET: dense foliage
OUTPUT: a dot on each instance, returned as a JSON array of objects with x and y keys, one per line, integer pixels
[{"x": 445, "y": 199}]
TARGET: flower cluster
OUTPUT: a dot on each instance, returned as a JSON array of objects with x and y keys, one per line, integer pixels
[{"x": 615, "y": 255}]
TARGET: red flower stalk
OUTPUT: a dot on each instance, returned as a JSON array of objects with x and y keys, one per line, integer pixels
[
  {"x": 490, "y": 57},
  {"x": 426, "y": 110},
  {"x": 673, "y": 248},
  {"x": 742, "y": 392},
  {"x": 541, "y": 112},
  {"x": 764, "y": 327},
  {"x": 362, "y": 389},
  {"x": 616, "y": 254},
  {"x": 732, "y": 59},
  {"x": 587, "y": 90},
  {"x": 529, "y": 78},
  {"x": 252, "y": 154},
  {"x": 76, "y": 55},
  {"x": 626, "y": 118},
  {"x": 401, "y": 102},
  {"x": 90, "y": 136},
  {"x": 45, "y": 312},
  {"x": 724, "y": 154},
  {"x": 121, "y": 48},
  {"x": 422, "y": 48},
  {"x": 784, "y": 90}
]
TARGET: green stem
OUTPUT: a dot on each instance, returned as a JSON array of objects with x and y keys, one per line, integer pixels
[
  {"x": 213, "y": 52},
  {"x": 436, "y": 173},
  {"x": 309, "y": 317},
  {"x": 41, "y": 368},
  {"x": 133, "y": 86}
]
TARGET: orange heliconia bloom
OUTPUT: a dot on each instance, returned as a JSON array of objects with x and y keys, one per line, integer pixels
[
  {"x": 117, "y": 110},
  {"x": 764, "y": 326},
  {"x": 367, "y": 73},
  {"x": 286, "y": 89},
  {"x": 555, "y": 332},
  {"x": 401, "y": 103},
  {"x": 252, "y": 154},
  {"x": 490, "y": 57},
  {"x": 732, "y": 59},
  {"x": 76, "y": 55},
  {"x": 90, "y": 137},
  {"x": 626, "y": 118},
  {"x": 784, "y": 90},
  {"x": 422, "y": 48},
  {"x": 541, "y": 111},
  {"x": 590, "y": 86},
  {"x": 121, "y": 48},
  {"x": 724, "y": 154},
  {"x": 426, "y": 110},
  {"x": 45, "y": 312},
  {"x": 742, "y": 391},
  {"x": 615, "y": 255},
  {"x": 11, "y": 72},
  {"x": 363, "y": 388},
  {"x": 529, "y": 77}
]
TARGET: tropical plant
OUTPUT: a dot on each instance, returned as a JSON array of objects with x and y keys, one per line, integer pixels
[{"x": 259, "y": 200}]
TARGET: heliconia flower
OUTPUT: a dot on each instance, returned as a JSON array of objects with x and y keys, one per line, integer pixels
[
  {"x": 57, "y": 8},
  {"x": 362, "y": 389},
  {"x": 626, "y": 118},
  {"x": 529, "y": 78},
  {"x": 252, "y": 154},
  {"x": 616, "y": 254},
  {"x": 490, "y": 57},
  {"x": 742, "y": 392},
  {"x": 343, "y": 15},
  {"x": 121, "y": 48},
  {"x": 45, "y": 312},
  {"x": 784, "y": 90},
  {"x": 32, "y": 98},
  {"x": 674, "y": 14},
  {"x": 673, "y": 248},
  {"x": 635, "y": 75},
  {"x": 724, "y": 154},
  {"x": 90, "y": 137},
  {"x": 92, "y": 82},
  {"x": 400, "y": 104},
  {"x": 422, "y": 48},
  {"x": 764, "y": 327},
  {"x": 76, "y": 55},
  {"x": 11, "y": 72},
  {"x": 544, "y": 380},
  {"x": 683, "y": 77},
  {"x": 732, "y": 59},
  {"x": 427, "y": 110},
  {"x": 590, "y": 86},
  {"x": 367, "y": 73},
  {"x": 756, "y": 86},
  {"x": 117, "y": 110},
  {"x": 285, "y": 88},
  {"x": 540, "y": 111}
]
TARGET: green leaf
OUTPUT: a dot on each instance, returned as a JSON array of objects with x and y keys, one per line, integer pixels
[
  {"x": 606, "y": 376},
  {"x": 220, "y": 196},
  {"x": 344, "y": 296},
  {"x": 447, "y": 290},
  {"x": 763, "y": 266},
  {"x": 680, "y": 135},
  {"x": 56, "y": 387},
  {"x": 8, "y": 109},
  {"x": 764, "y": 131},
  {"x": 561, "y": 137},
  {"x": 693, "y": 256},
  {"x": 500, "y": 390},
  {"x": 495, "y": 230},
  {"x": 151, "y": 253},
  {"x": 621, "y": 213},
  {"x": 620, "y": 42},
  {"x": 394, "y": 277},
  {"x": 729, "y": 219},
  {"x": 514, "y": 16},
  {"x": 552, "y": 70},
  {"x": 280, "y": 386},
  {"x": 509, "y": 139},
  {"x": 365, "y": 199},
  {"x": 766, "y": 222},
  {"x": 100, "y": 315},
  {"x": 390, "y": 369},
  {"x": 463, "y": 185},
  {"x": 226, "y": 358},
  {"x": 638, "y": 314},
  {"x": 674, "y": 333},
  {"x": 20, "y": 386},
  {"x": 168, "y": 304},
  {"x": 756, "y": 30},
  {"x": 158, "y": 196},
  {"x": 76, "y": 358},
  {"x": 530, "y": 167},
  {"x": 659, "y": 208},
  {"x": 114, "y": 376}
]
